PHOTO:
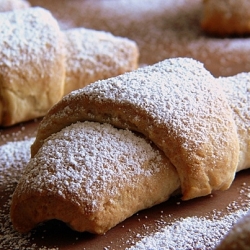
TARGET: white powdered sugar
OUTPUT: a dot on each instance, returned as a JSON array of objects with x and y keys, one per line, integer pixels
[
  {"x": 237, "y": 89},
  {"x": 176, "y": 92},
  {"x": 8, "y": 5},
  {"x": 23, "y": 36},
  {"x": 155, "y": 25},
  {"x": 94, "y": 55},
  {"x": 91, "y": 48},
  {"x": 84, "y": 159},
  {"x": 13, "y": 157},
  {"x": 190, "y": 233},
  {"x": 31, "y": 64}
]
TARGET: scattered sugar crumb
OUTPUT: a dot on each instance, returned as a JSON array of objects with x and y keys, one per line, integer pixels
[
  {"x": 203, "y": 233},
  {"x": 190, "y": 233},
  {"x": 13, "y": 157}
]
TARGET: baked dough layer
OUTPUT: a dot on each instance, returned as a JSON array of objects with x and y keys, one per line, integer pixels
[
  {"x": 92, "y": 176},
  {"x": 177, "y": 104}
]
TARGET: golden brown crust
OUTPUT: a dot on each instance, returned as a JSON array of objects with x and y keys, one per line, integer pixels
[
  {"x": 177, "y": 104},
  {"x": 95, "y": 55},
  {"x": 32, "y": 64},
  {"x": 226, "y": 17},
  {"x": 103, "y": 175}
]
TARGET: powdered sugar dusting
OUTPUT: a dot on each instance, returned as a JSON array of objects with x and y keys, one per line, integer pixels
[
  {"x": 21, "y": 38},
  {"x": 13, "y": 157},
  {"x": 170, "y": 92},
  {"x": 237, "y": 89},
  {"x": 191, "y": 233},
  {"x": 91, "y": 46},
  {"x": 199, "y": 233},
  {"x": 202, "y": 232},
  {"x": 84, "y": 158},
  {"x": 8, "y": 5},
  {"x": 31, "y": 64}
]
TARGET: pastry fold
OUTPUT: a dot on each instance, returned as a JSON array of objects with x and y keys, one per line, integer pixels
[{"x": 237, "y": 90}]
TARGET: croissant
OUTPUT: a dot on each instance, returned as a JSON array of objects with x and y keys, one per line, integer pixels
[
  {"x": 39, "y": 63},
  {"x": 127, "y": 143}
]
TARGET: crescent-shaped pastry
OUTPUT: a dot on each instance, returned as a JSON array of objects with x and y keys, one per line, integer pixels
[
  {"x": 177, "y": 104},
  {"x": 92, "y": 176}
]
